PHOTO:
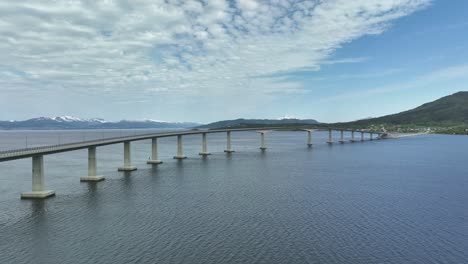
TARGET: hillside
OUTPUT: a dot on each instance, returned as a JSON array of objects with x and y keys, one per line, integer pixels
[
  {"x": 239, "y": 123},
  {"x": 448, "y": 114}
]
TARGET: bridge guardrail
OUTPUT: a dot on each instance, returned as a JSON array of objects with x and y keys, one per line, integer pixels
[{"x": 82, "y": 144}]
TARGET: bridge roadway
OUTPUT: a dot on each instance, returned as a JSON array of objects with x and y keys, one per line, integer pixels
[
  {"x": 52, "y": 149},
  {"x": 37, "y": 153}
]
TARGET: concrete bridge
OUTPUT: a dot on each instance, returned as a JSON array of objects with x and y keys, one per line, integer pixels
[{"x": 37, "y": 153}]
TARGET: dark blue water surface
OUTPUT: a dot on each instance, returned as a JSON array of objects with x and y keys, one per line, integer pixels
[{"x": 386, "y": 201}]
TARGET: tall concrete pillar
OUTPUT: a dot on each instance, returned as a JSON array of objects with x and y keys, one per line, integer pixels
[
  {"x": 228, "y": 143},
  {"x": 362, "y": 136},
  {"x": 38, "y": 191},
  {"x": 352, "y": 136},
  {"x": 92, "y": 165},
  {"x": 154, "y": 152},
  {"x": 204, "y": 146},
  {"x": 262, "y": 140},
  {"x": 371, "y": 136},
  {"x": 330, "y": 138},
  {"x": 180, "y": 154},
  {"x": 127, "y": 158},
  {"x": 342, "y": 137},
  {"x": 309, "y": 137}
]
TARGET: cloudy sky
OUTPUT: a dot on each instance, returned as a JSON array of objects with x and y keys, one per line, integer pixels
[{"x": 207, "y": 60}]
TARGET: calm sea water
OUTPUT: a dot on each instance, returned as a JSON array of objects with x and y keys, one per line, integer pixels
[{"x": 387, "y": 201}]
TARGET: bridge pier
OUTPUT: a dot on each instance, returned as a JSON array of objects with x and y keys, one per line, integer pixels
[
  {"x": 228, "y": 143},
  {"x": 309, "y": 137},
  {"x": 38, "y": 191},
  {"x": 204, "y": 146},
  {"x": 262, "y": 140},
  {"x": 180, "y": 154},
  {"x": 37, "y": 154},
  {"x": 352, "y": 136},
  {"x": 92, "y": 164},
  {"x": 127, "y": 158},
  {"x": 342, "y": 137},
  {"x": 154, "y": 152},
  {"x": 330, "y": 138}
]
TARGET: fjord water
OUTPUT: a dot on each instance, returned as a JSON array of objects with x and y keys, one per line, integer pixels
[{"x": 387, "y": 201}]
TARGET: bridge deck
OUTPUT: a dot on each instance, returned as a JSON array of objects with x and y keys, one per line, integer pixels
[{"x": 45, "y": 150}]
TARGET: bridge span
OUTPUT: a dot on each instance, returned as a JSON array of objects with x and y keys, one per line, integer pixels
[{"x": 37, "y": 153}]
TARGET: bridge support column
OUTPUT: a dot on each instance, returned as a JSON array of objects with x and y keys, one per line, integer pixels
[
  {"x": 262, "y": 140},
  {"x": 92, "y": 164},
  {"x": 180, "y": 154},
  {"x": 127, "y": 158},
  {"x": 309, "y": 138},
  {"x": 371, "y": 136},
  {"x": 342, "y": 137},
  {"x": 38, "y": 191},
  {"x": 352, "y": 136},
  {"x": 362, "y": 136},
  {"x": 330, "y": 138},
  {"x": 204, "y": 146},
  {"x": 228, "y": 143},
  {"x": 154, "y": 152}
]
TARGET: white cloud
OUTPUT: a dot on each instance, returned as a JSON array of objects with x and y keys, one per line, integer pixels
[
  {"x": 345, "y": 60},
  {"x": 449, "y": 73},
  {"x": 185, "y": 48},
  {"x": 362, "y": 75}
]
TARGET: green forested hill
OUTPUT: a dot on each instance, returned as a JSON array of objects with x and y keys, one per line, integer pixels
[
  {"x": 448, "y": 115},
  {"x": 449, "y": 110}
]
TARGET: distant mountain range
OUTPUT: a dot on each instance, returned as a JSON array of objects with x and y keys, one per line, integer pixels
[
  {"x": 238, "y": 123},
  {"x": 69, "y": 122},
  {"x": 445, "y": 115}
]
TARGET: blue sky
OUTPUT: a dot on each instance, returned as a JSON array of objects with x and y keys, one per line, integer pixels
[{"x": 205, "y": 61}]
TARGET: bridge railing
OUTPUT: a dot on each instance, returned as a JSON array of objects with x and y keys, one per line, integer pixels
[
  {"x": 78, "y": 144},
  {"x": 4, "y": 153},
  {"x": 50, "y": 147}
]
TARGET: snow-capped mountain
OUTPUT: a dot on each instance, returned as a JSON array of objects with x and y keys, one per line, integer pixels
[
  {"x": 288, "y": 117},
  {"x": 70, "y": 122},
  {"x": 66, "y": 119}
]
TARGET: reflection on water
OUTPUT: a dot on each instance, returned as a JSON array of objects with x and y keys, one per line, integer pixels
[{"x": 390, "y": 201}]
